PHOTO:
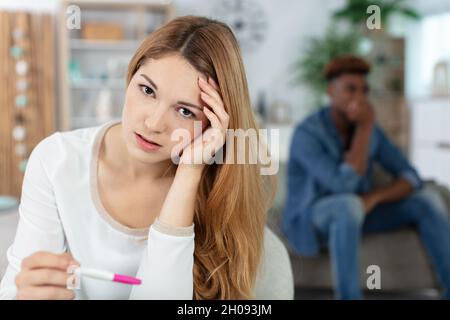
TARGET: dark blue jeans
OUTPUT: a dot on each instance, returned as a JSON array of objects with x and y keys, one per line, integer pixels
[{"x": 341, "y": 221}]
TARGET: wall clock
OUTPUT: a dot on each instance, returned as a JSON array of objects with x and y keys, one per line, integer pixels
[{"x": 247, "y": 19}]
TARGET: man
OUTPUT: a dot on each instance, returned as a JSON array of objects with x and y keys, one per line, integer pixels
[{"x": 331, "y": 199}]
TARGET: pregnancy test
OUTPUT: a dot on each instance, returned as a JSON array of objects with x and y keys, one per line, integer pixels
[{"x": 105, "y": 275}]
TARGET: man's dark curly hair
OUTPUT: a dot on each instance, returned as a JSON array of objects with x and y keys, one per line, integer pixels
[{"x": 344, "y": 65}]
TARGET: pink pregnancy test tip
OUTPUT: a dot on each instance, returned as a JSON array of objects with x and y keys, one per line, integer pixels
[{"x": 126, "y": 279}]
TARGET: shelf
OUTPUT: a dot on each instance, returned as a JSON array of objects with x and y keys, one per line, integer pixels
[
  {"x": 125, "y": 45},
  {"x": 88, "y": 66},
  {"x": 96, "y": 84}
]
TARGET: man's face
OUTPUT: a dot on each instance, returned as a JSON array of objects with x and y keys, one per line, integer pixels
[{"x": 346, "y": 89}]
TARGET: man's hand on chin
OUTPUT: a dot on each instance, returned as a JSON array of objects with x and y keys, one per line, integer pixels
[{"x": 361, "y": 113}]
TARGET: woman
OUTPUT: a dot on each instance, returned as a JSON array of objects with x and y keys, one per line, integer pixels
[{"x": 114, "y": 198}]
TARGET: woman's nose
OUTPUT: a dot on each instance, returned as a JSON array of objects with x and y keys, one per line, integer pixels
[{"x": 156, "y": 121}]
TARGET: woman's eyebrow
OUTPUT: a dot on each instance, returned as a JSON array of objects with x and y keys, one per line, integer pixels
[
  {"x": 150, "y": 81},
  {"x": 179, "y": 102},
  {"x": 190, "y": 105}
]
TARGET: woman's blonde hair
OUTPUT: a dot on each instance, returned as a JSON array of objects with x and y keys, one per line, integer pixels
[{"x": 232, "y": 201}]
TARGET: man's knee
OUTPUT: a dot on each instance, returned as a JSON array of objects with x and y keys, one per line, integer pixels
[
  {"x": 346, "y": 208},
  {"x": 428, "y": 202}
]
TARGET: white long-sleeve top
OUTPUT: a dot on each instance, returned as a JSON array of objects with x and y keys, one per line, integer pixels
[{"x": 60, "y": 210}]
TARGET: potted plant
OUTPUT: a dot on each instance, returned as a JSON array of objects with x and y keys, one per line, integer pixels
[
  {"x": 355, "y": 11},
  {"x": 308, "y": 69}
]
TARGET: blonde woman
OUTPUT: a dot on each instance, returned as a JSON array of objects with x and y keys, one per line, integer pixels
[{"x": 114, "y": 198}]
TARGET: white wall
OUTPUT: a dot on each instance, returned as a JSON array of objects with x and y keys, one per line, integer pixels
[
  {"x": 429, "y": 7},
  {"x": 426, "y": 43},
  {"x": 38, "y": 6},
  {"x": 268, "y": 68},
  {"x": 290, "y": 21}
]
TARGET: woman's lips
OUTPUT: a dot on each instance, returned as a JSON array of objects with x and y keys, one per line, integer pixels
[{"x": 146, "y": 145}]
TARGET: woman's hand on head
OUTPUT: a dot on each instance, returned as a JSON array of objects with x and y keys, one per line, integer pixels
[
  {"x": 44, "y": 276},
  {"x": 203, "y": 148}
]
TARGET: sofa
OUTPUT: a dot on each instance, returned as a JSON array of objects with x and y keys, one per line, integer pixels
[
  {"x": 8, "y": 224},
  {"x": 399, "y": 254}
]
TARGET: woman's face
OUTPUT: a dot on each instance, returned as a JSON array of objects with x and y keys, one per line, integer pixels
[{"x": 162, "y": 96}]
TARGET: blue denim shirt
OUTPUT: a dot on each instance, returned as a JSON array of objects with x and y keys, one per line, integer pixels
[{"x": 317, "y": 168}]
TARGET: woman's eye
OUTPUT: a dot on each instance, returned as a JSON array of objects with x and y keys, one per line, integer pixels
[
  {"x": 186, "y": 113},
  {"x": 147, "y": 90}
]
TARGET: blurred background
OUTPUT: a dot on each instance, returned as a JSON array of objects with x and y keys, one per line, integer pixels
[{"x": 63, "y": 67}]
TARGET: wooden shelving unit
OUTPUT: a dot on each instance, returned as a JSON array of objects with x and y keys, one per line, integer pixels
[
  {"x": 92, "y": 76},
  {"x": 27, "y": 100},
  {"x": 387, "y": 88}
]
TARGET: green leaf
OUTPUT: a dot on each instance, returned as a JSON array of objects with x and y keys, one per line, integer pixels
[
  {"x": 355, "y": 11},
  {"x": 308, "y": 69}
]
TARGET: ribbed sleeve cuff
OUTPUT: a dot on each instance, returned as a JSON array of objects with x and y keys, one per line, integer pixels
[
  {"x": 171, "y": 230},
  {"x": 412, "y": 178}
]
